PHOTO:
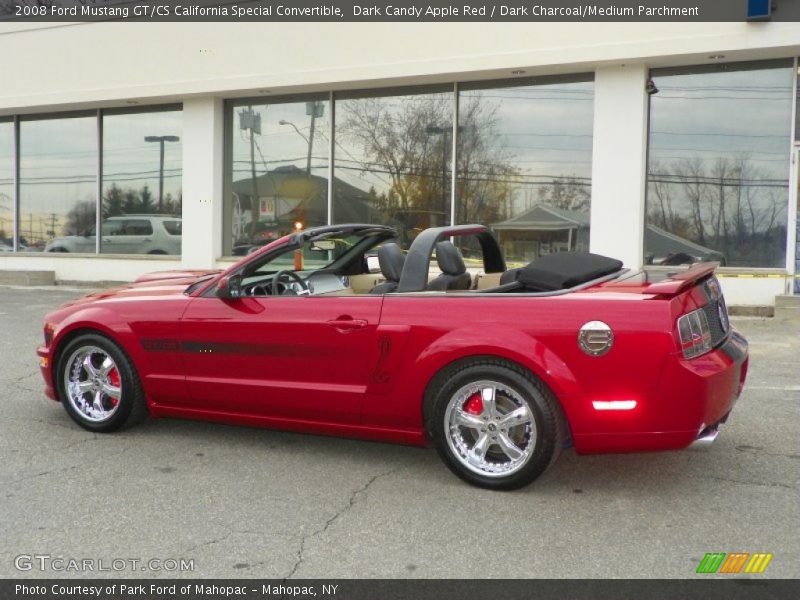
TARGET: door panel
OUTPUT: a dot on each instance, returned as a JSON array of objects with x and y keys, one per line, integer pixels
[{"x": 299, "y": 357}]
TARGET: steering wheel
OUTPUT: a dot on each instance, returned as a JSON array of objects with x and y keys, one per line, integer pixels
[{"x": 289, "y": 274}]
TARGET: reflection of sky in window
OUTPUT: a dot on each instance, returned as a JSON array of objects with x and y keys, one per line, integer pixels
[
  {"x": 130, "y": 162},
  {"x": 543, "y": 132},
  {"x": 546, "y": 129},
  {"x": 719, "y": 163},
  {"x": 737, "y": 114},
  {"x": 58, "y": 165},
  {"x": 281, "y": 145}
]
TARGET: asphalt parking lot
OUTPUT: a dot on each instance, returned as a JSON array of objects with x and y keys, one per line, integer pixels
[{"x": 246, "y": 502}]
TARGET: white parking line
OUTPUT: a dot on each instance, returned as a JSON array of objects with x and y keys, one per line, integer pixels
[{"x": 784, "y": 388}]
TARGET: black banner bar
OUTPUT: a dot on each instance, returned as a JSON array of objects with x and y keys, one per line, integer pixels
[
  {"x": 701, "y": 588},
  {"x": 396, "y": 10}
]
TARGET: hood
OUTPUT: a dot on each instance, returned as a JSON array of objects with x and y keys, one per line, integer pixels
[
  {"x": 150, "y": 286},
  {"x": 178, "y": 275}
]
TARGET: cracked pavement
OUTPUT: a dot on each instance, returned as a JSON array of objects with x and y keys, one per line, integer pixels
[{"x": 246, "y": 502}]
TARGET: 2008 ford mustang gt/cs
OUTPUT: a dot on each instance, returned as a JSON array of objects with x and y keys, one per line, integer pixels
[{"x": 499, "y": 370}]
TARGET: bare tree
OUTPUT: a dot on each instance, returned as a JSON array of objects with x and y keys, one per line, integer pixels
[
  {"x": 567, "y": 193},
  {"x": 691, "y": 172},
  {"x": 410, "y": 142}
]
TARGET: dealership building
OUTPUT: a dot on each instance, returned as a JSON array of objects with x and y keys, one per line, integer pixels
[{"x": 189, "y": 144}]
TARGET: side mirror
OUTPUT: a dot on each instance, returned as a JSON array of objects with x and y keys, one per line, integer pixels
[
  {"x": 230, "y": 287},
  {"x": 323, "y": 246}
]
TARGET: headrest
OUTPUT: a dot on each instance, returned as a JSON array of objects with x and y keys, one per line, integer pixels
[
  {"x": 391, "y": 260},
  {"x": 449, "y": 259},
  {"x": 562, "y": 270}
]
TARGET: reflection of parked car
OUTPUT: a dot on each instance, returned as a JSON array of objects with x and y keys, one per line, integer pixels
[
  {"x": 5, "y": 247},
  {"x": 127, "y": 234},
  {"x": 499, "y": 373}
]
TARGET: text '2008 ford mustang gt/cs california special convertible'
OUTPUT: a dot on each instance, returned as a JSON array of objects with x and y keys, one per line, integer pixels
[{"x": 335, "y": 330}]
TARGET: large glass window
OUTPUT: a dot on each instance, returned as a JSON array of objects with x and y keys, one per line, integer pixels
[
  {"x": 58, "y": 184},
  {"x": 142, "y": 160},
  {"x": 277, "y": 171},
  {"x": 393, "y": 157},
  {"x": 524, "y": 163},
  {"x": 718, "y": 165},
  {"x": 6, "y": 186}
]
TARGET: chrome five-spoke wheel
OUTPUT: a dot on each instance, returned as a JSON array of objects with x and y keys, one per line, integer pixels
[
  {"x": 493, "y": 422},
  {"x": 491, "y": 430},
  {"x": 98, "y": 384},
  {"x": 93, "y": 383}
]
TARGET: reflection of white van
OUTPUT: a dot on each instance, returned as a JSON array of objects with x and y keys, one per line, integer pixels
[{"x": 127, "y": 234}]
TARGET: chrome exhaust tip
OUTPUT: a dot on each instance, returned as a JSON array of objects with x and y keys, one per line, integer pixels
[{"x": 706, "y": 437}]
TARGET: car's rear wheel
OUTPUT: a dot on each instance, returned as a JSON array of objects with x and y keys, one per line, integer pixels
[
  {"x": 98, "y": 384},
  {"x": 494, "y": 424}
]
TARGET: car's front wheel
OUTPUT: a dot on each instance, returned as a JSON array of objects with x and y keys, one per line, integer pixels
[
  {"x": 98, "y": 384},
  {"x": 493, "y": 423}
]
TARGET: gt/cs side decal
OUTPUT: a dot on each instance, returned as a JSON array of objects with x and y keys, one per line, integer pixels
[
  {"x": 251, "y": 349},
  {"x": 158, "y": 345}
]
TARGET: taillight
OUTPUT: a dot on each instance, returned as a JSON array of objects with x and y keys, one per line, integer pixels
[{"x": 695, "y": 334}]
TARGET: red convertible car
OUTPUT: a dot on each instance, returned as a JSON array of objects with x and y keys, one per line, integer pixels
[{"x": 499, "y": 370}]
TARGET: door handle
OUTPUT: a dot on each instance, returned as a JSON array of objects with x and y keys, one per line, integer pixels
[{"x": 343, "y": 324}]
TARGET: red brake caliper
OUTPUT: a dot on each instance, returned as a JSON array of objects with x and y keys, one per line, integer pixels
[
  {"x": 474, "y": 404},
  {"x": 113, "y": 379}
]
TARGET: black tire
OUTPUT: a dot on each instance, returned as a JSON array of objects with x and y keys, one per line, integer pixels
[
  {"x": 159, "y": 252},
  {"x": 522, "y": 386},
  {"x": 131, "y": 407}
]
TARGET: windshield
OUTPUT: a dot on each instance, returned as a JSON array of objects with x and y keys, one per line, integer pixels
[
  {"x": 314, "y": 255},
  {"x": 197, "y": 284}
]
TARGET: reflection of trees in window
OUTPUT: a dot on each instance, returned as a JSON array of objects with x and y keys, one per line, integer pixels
[
  {"x": 532, "y": 178},
  {"x": 407, "y": 141},
  {"x": 729, "y": 205},
  {"x": 569, "y": 193},
  {"x": 718, "y": 172},
  {"x": 80, "y": 219},
  {"x": 116, "y": 202},
  {"x": 485, "y": 168},
  {"x": 128, "y": 201}
]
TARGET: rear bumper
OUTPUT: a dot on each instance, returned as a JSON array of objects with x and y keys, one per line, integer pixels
[
  {"x": 46, "y": 367},
  {"x": 692, "y": 399}
]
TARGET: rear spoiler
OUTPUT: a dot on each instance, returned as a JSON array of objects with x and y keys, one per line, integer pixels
[{"x": 675, "y": 284}]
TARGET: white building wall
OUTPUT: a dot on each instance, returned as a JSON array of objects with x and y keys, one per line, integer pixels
[
  {"x": 202, "y": 182},
  {"x": 619, "y": 163},
  {"x": 118, "y": 64},
  {"x": 108, "y": 62}
]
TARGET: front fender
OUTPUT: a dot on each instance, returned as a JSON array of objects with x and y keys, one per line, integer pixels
[{"x": 102, "y": 320}]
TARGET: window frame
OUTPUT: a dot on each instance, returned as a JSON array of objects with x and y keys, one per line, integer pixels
[
  {"x": 98, "y": 114},
  {"x": 794, "y": 130}
]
